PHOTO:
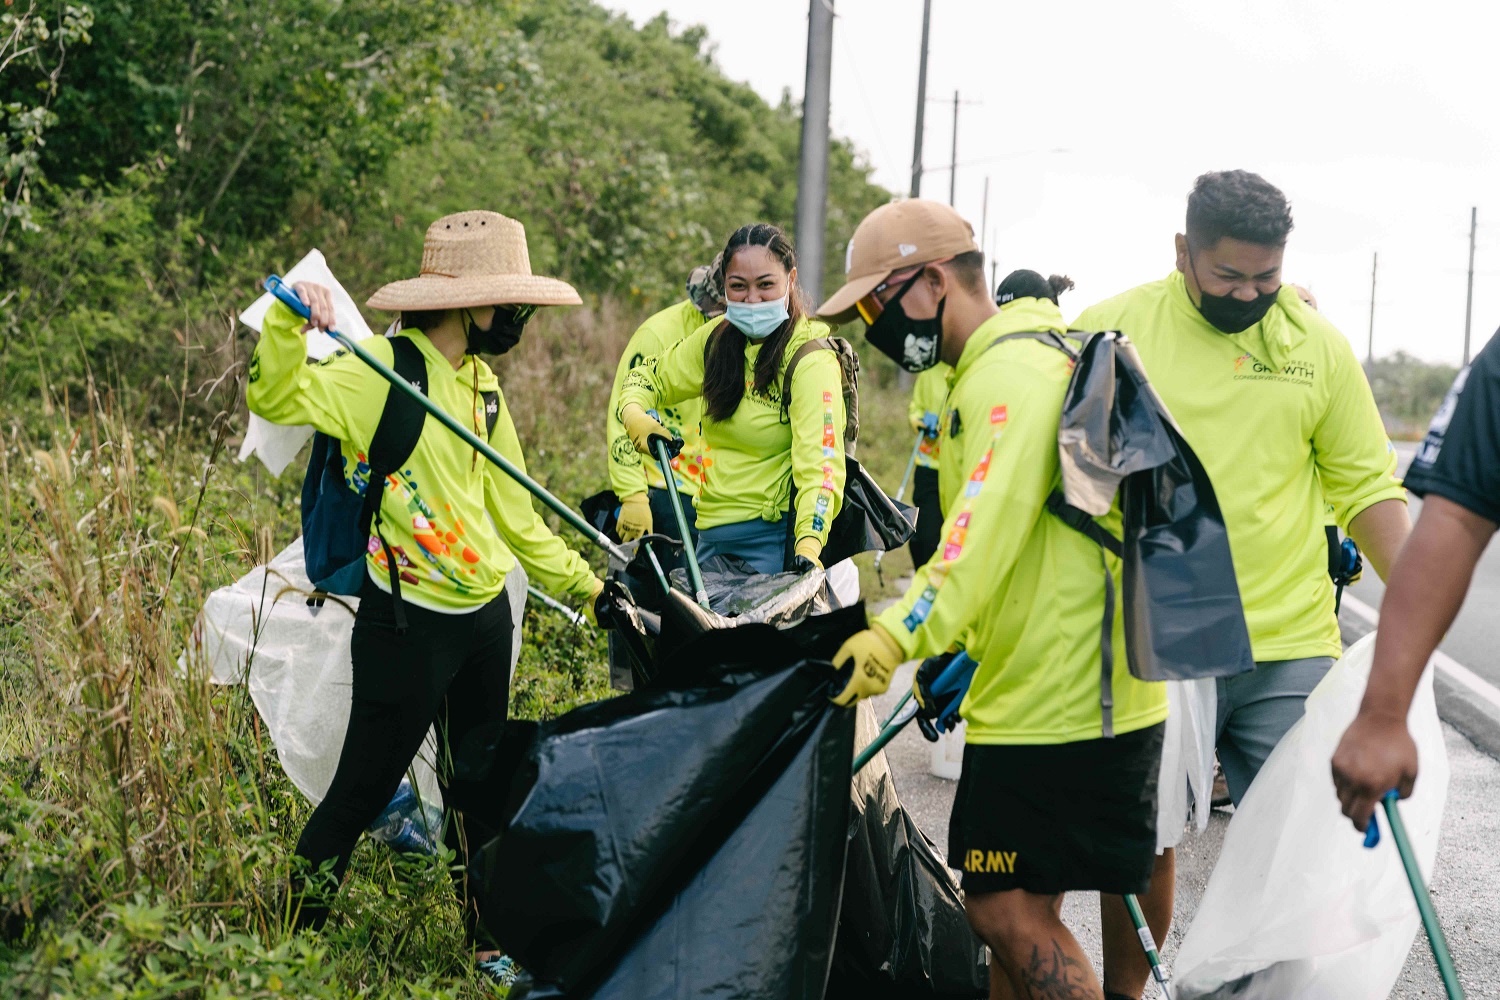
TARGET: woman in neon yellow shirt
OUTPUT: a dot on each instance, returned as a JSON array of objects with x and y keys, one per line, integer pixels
[
  {"x": 435, "y": 648},
  {"x": 774, "y": 468}
]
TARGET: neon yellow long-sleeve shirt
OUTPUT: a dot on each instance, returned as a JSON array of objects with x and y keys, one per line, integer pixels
[
  {"x": 1272, "y": 412},
  {"x": 434, "y": 509},
  {"x": 1024, "y": 589},
  {"x": 928, "y": 398},
  {"x": 629, "y": 471},
  {"x": 753, "y": 458}
]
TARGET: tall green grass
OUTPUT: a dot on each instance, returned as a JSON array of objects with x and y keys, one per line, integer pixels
[{"x": 146, "y": 826}]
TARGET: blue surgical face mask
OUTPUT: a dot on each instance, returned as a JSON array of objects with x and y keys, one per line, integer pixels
[{"x": 758, "y": 320}]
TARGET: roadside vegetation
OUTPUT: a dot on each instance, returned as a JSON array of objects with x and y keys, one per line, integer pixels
[{"x": 159, "y": 159}]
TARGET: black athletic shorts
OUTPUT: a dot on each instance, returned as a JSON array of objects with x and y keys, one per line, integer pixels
[{"x": 1058, "y": 817}]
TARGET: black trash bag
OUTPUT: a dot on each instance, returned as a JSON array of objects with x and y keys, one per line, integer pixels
[
  {"x": 902, "y": 934},
  {"x": 620, "y": 804},
  {"x": 757, "y": 921},
  {"x": 867, "y": 521},
  {"x": 630, "y": 633},
  {"x": 1183, "y": 615}
]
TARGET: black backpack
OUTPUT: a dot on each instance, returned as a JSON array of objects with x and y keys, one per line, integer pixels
[
  {"x": 1183, "y": 615},
  {"x": 337, "y": 521}
]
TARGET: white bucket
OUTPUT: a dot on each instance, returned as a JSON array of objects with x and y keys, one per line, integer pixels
[{"x": 948, "y": 754}]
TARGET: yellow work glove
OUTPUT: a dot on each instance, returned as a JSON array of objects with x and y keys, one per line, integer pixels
[
  {"x": 805, "y": 554},
  {"x": 875, "y": 656},
  {"x": 635, "y": 517},
  {"x": 596, "y": 587},
  {"x": 642, "y": 427}
]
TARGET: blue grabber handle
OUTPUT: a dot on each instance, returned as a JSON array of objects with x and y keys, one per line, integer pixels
[
  {"x": 955, "y": 678},
  {"x": 288, "y": 298}
]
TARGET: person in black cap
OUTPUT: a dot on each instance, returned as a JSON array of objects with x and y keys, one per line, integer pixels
[{"x": 1025, "y": 284}]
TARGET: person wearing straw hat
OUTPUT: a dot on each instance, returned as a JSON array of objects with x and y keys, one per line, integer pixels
[
  {"x": 644, "y": 503},
  {"x": 760, "y": 448},
  {"x": 453, "y": 524},
  {"x": 1058, "y": 789}
]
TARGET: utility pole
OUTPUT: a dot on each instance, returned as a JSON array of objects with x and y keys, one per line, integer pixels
[
  {"x": 1370, "y": 351},
  {"x": 984, "y": 218},
  {"x": 953, "y": 170},
  {"x": 916, "y": 155},
  {"x": 1469, "y": 302},
  {"x": 812, "y": 174}
]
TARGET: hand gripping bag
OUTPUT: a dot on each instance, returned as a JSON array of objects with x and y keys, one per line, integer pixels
[{"x": 1297, "y": 908}]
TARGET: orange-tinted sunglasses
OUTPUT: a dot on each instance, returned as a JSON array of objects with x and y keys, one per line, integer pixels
[{"x": 870, "y": 307}]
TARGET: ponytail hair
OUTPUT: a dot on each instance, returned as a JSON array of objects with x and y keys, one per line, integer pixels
[{"x": 724, "y": 356}]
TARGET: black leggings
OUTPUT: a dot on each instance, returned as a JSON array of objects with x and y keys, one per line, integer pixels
[
  {"x": 924, "y": 494},
  {"x": 452, "y": 670}
]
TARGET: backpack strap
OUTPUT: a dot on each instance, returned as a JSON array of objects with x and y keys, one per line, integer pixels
[
  {"x": 1045, "y": 336},
  {"x": 1083, "y": 523},
  {"x": 395, "y": 438},
  {"x": 816, "y": 344}
]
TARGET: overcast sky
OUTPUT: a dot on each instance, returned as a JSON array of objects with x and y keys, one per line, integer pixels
[{"x": 1379, "y": 120}]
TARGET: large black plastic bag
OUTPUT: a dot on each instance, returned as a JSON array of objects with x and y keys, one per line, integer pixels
[
  {"x": 621, "y": 804},
  {"x": 868, "y": 520},
  {"x": 1183, "y": 615},
  {"x": 903, "y": 934},
  {"x": 757, "y": 921}
]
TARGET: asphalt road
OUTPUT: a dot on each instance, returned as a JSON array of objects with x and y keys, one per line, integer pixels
[
  {"x": 1473, "y": 641},
  {"x": 1465, "y": 886}
]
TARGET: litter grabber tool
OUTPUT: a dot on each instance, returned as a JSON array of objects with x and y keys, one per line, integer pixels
[
  {"x": 664, "y": 451},
  {"x": 1435, "y": 937},
  {"x": 943, "y": 689},
  {"x": 911, "y": 463},
  {"x": 282, "y": 291},
  {"x": 556, "y": 605},
  {"x": 1148, "y": 943}
]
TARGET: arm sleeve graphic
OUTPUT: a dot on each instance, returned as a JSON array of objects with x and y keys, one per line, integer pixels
[
  {"x": 627, "y": 476},
  {"x": 1009, "y": 450},
  {"x": 817, "y": 416},
  {"x": 546, "y": 558}
]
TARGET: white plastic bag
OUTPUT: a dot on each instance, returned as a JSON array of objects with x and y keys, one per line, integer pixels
[
  {"x": 274, "y": 444},
  {"x": 295, "y": 659},
  {"x": 1185, "y": 788},
  {"x": 1297, "y": 908}
]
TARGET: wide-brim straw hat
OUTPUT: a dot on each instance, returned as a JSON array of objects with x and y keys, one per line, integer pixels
[{"x": 474, "y": 259}]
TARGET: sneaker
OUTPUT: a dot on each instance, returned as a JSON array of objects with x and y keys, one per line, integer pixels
[
  {"x": 1220, "y": 798},
  {"x": 504, "y": 973}
]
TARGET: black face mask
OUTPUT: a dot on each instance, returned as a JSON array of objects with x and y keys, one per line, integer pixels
[
  {"x": 504, "y": 332},
  {"x": 1228, "y": 314},
  {"x": 914, "y": 344}
]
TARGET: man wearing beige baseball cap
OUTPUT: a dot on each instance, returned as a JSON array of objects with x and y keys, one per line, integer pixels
[
  {"x": 432, "y": 635},
  {"x": 1059, "y": 778}
]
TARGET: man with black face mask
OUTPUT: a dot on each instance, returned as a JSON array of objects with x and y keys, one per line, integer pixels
[
  {"x": 1274, "y": 402},
  {"x": 1061, "y": 756}
]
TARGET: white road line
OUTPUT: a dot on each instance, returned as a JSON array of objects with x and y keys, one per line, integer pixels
[{"x": 1447, "y": 665}]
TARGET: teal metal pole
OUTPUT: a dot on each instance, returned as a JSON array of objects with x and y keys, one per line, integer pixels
[
  {"x": 888, "y": 731},
  {"x": 700, "y": 593},
  {"x": 1435, "y": 936}
]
